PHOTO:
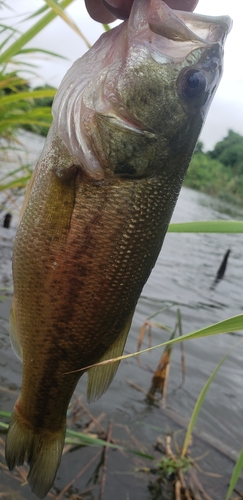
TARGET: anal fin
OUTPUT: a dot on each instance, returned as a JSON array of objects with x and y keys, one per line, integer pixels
[{"x": 100, "y": 377}]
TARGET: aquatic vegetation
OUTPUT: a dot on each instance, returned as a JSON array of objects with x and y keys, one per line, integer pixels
[
  {"x": 235, "y": 475},
  {"x": 18, "y": 102},
  {"x": 175, "y": 464}
]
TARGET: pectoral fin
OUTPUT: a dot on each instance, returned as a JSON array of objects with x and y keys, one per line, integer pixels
[
  {"x": 127, "y": 147},
  {"x": 14, "y": 336},
  {"x": 100, "y": 377}
]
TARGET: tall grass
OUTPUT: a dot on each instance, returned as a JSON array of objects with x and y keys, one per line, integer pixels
[{"x": 17, "y": 99}]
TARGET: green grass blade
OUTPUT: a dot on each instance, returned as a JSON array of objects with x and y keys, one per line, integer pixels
[
  {"x": 16, "y": 46},
  {"x": 2, "y": 424},
  {"x": 75, "y": 438},
  {"x": 5, "y": 27},
  {"x": 232, "y": 324},
  {"x": 6, "y": 41},
  {"x": 80, "y": 438},
  {"x": 235, "y": 476},
  {"x": 25, "y": 121},
  {"x": 17, "y": 183},
  {"x": 11, "y": 81},
  {"x": 42, "y": 51},
  {"x": 37, "y": 13},
  {"x": 21, "y": 65},
  {"x": 213, "y": 226},
  {"x": 20, "y": 96},
  {"x": 60, "y": 12},
  {"x": 200, "y": 400},
  {"x": 13, "y": 172},
  {"x": 5, "y": 414}
]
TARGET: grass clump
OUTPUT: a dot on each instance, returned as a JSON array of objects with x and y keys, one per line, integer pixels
[
  {"x": 20, "y": 105},
  {"x": 169, "y": 466}
]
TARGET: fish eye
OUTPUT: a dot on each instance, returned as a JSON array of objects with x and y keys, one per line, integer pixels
[{"x": 193, "y": 83}]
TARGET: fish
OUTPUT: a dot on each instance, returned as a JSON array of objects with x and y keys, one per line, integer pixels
[{"x": 126, "y": 119}]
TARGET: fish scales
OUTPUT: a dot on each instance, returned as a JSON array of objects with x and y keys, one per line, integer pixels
[
  {"x": 101, "y": 263},
  {"x": 96, "y": 310},
  {"x": 126, "y": 120}
]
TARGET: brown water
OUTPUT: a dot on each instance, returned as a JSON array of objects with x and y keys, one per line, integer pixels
[{"x": 183, "y": 274}]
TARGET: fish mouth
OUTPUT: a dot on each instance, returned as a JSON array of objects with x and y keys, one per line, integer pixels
[{"x": 167, "y": 27}]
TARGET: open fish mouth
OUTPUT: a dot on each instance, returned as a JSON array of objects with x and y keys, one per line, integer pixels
[{"x": 168, "y": 27}]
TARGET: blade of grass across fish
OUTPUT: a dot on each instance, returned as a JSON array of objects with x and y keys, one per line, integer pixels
[
  {"x": 212, "y": 226},
  {"x": 106, "y": 27},
  {"x": 232, "y": 324},
  {"x": 16, "y": 46},
  {"x": 200, "y": 400},
  {"x": 235, "y": 476},
  {"x": 60, "y": 12}
]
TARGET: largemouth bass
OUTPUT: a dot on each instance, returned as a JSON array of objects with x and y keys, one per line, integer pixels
[{"x": 126, "y": 120}]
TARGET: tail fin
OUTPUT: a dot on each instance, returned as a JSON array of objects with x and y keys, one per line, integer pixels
[{"x": 42, "y": 451}]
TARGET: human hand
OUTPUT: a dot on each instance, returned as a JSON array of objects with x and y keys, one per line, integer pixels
[{"x": 106, "y": 11}]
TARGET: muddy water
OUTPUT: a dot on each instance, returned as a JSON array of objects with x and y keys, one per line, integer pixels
[{"x": 183, "y": 275}]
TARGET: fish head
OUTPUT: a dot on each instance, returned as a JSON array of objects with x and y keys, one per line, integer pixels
[{"x": 136, "y": 103}]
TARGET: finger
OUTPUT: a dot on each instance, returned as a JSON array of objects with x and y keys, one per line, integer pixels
[
  {"x": 119, "y": 8},
  {"x": 98, "y": 12},
  {"x": 106, "y": 11}
]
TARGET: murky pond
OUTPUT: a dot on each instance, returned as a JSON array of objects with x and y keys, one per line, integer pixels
[{"x": 181, "y": 279}]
